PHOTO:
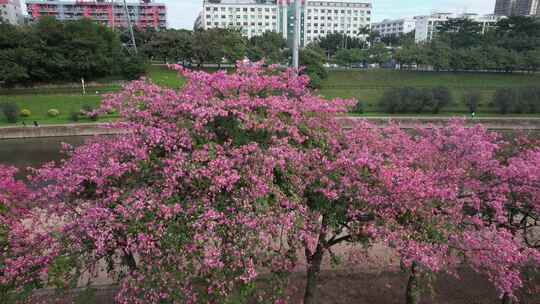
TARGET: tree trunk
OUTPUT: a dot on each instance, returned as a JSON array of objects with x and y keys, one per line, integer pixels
[
  {"x": 314, "y": 260},
  {"x": 413, "y": 293},
  {"x": 129, "y": 259},
  {"x": 507, "y": 299}
]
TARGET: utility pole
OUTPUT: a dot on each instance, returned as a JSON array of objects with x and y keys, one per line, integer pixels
[
  {"x": 296, "y": 42},
  {"x": 130, "y": 26}
]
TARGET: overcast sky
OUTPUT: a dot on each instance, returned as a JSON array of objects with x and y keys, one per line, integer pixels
[{"x": 182, "y": 13}]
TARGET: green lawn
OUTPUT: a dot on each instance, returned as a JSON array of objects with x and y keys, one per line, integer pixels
[
  {"x": 165, "y": 77},
  {"x": 366, "y": 86},
  {"x": 38, "y": 101},
  {"x": 369, "y": 86}
]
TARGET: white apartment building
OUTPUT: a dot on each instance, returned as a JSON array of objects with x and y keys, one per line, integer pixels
[
  {"x": 427, "y": 26},
  {"x": 396, "y": 27},
  {"x": 319, "y": 18},
  {"x": 346, "y": 17},
  {"x": 251, "y": 16},
  {"x": 10, "y": 11}
]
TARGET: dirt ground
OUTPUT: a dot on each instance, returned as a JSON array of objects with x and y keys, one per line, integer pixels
[{"x": 343, "y": 287}]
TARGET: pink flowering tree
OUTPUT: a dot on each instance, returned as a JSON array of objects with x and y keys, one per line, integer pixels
[
  {"x": 192, "y": 204},
  {"x": 432, "y": 195},
  {"x": 21, "y": 263},
  {"x": 217, "y": 191}
]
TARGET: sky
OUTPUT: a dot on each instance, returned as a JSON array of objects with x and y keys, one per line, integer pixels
[{"x": 182, "y": 13}]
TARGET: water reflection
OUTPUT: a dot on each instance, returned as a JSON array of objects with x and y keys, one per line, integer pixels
[{"x": 33, "y": 152}]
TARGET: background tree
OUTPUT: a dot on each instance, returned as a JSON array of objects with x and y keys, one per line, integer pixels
[
  {"x": 170, "y": 46},
  {"x": 206, "y": 46},
  {"x": 411, "y": 54},
  {"x": 379, "y": 54},
  {"x": 460, "y": 33},
  {"x": 269, "y": 46},
  {"x": 439, "y": 55},
  {"x": 518, "y": 33},
  {"x": 347, "y": 57},
  {"x": 234, "y": 45},
  {"x": 312, "y": 59},
  {"x": 50, "y": 50},
  {"x": 332, "y": 42}
]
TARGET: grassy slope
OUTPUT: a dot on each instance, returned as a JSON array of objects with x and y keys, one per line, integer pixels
[
  {"x": 369, "y": 86},
  {"x": 66, "y": 103}
]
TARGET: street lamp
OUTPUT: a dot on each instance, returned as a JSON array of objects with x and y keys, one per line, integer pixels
[{"x": 296, "y": 41}]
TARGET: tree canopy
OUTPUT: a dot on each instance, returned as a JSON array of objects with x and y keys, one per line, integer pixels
[
  {"x": 239, "y": 176},
  {"x": 50, "y": 50}
]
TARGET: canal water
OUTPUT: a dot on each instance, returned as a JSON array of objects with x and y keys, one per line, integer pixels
[{"x": 33, "y": 152}]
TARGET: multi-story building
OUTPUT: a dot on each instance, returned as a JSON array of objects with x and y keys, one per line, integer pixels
[
  {"x": 505, "y": 7},
  {"x": 528, "y": 8},
  {"x": 112, "y": 13},
  {"x": 427, "y": 26},
  {"x": 396, "y": 27},
  {"x": 346, "y": 17},
  {"x": 10, "y": 11},
  {"x": 517, "y": 7},
  {"x": 318, "y": 18}
]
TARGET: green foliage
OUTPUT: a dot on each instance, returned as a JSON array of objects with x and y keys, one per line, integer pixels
[
  {"x": 269, "y": 46},
  {"x": 517, "y": 33},
  {"x": 74, "y": 116},
  {"x": 169, "y": 45},
  {"x": 25, "y": 113},
  {"x": 214, "y": 45},
  {"x": 530, "y": 97},
  {"x": 331, "y": 43},
  {"x": 441, "y": 97},
  {"x": 379, "y": 54},
  {"x": 504, "y": 100},
  {"x": 413, "y": 100},
  {"x": 313, "y": 61},
  {"x": 472, "y": 99},
  {"x": 53, "y": 112},
  {"x": 348, "y": 57},
  {"x": 50, "y": 50},
  {"x": 359, "y": 108},
  {"x": 460, "y": 33},
  {"x": 411, "y": 54},
  {"x": 133, "y": 67},
  {"x": 517, "y": 100},
  {"x": 11, "y": 111},
  {"x": 461, "y": 44}
]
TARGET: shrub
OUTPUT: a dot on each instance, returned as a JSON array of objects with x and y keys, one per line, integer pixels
[
  {"x": 359, "y": 108},
  {"x": 90, "y": 112},
  {"x": 530, "y": 99},
  {"x": 472, "y": 99},
  {"x": 74, "y": 116},
  {"x": 25, "y": 113},
  {"x": 442, "y": 97},
  {"x": 53, "y": 113},
  {"x": 390, "y": 100},
  {"x": 11, "y": 111},
  {"x": 504, "y": 100},
  {"x": 312, "y": 61},
  {"x": 133, "y": 67},
  {"x": 413, "y": 100}
]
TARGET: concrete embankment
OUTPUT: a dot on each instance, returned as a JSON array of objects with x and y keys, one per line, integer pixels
[
  {"x": 496, "y": 124},
  {"x": 57, "y": 131}
]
